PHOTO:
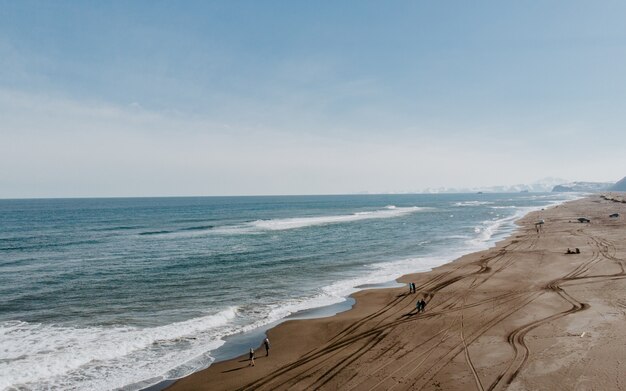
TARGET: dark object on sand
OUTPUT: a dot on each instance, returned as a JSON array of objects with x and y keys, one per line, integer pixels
[
  {"x": 266, "y": 342},
  {"x": 569, "y": 251},
  {"x": 251, "y": 358},
  {"x": 577, "y": 250},
  {"x": 584, "y": 220},
  {"x": 614, "y": 215}
]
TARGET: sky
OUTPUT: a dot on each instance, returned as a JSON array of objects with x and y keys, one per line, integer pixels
[{"x": 164, "y": 98}]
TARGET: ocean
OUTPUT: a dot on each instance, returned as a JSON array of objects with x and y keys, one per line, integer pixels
[{"x": 124, "y": 293}]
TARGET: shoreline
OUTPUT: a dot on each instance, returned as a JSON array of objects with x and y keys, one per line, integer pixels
[
  {"x": 516, "y": 299},
  {"x": 217, "y": 376},
  {"x": 237, "y": 345},
  {"x": 246, "y": 280}
]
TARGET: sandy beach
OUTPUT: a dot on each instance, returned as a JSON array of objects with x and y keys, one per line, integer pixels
[{"x": 523, "y": 315}]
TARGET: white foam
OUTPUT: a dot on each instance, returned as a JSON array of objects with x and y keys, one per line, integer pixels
[
  {"x": 260, "y": 226},
  {"x": 562, "y": 197},
  {"x": 472, "y": 203},
  {"x": 47, "y": 356},
  {"x": 338, "y": 291},
  {"x": 389, "y": 211},
  {"x": 492, "y": 230},
  {"x": 488, "y": 229}
]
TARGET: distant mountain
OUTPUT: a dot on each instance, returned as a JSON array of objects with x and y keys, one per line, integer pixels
[
  {"x": 619, "y": 186},
  {"x": 544, "y": 185},
  {"x": 583, "y": 187}
]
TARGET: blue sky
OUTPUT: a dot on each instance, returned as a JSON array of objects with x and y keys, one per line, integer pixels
[{"x": 294, "y": 97}]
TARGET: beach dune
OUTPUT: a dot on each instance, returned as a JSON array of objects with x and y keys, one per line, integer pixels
[{"x": 523, "y": 315}]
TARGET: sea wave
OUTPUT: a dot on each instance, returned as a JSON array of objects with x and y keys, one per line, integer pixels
[
  {"x": 338, "y": 291},
  {"x": 44, "y": 244},
  {"x": 98, "y": 358},
  {"x": 60, "y": 357},
  {"x": 197, "y": 228},
  {"x": 282, "y": 224},
  {"x": 42, "y": 356},
  {"x": 159, "y": 232},
  {"x": 117, "y": 228},
  {"x": 389, "y": 211},
  {"x": 490, "y": 230},
  {"x": 473, "y": 203}
]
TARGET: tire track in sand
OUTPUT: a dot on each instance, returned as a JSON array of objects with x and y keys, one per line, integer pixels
[{"x": 517, "y": 337}]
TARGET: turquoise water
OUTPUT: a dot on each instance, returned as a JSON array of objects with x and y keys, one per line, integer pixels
[{"x": 106, "y": 293}]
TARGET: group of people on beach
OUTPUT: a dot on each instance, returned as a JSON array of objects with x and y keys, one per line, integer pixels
[
  {"x": 266, "y": 343},
  {"x": 421, "y": 304},
  {"x": 539, "y": 225}
]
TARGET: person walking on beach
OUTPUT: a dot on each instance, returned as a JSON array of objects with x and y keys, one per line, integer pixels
[
  {"x": 266, "y": 342},
  {"x": 418, "y": 306},
  {"x": 251, "y": 364},
  {"x": 421, "y": 305}
]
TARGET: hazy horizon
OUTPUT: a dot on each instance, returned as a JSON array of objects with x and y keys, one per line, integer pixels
[
  {"x": 210, "y": 99},
  {"x": 508, "y": 189}
]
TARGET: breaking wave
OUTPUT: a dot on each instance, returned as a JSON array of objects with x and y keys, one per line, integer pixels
[{"x": 389, "y": 211}]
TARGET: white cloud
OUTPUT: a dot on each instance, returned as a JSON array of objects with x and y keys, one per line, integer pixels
[{"x": 51, "y": 146}]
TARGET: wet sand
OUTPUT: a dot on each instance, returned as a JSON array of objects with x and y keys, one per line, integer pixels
[{"x": 523, "y": 315}]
